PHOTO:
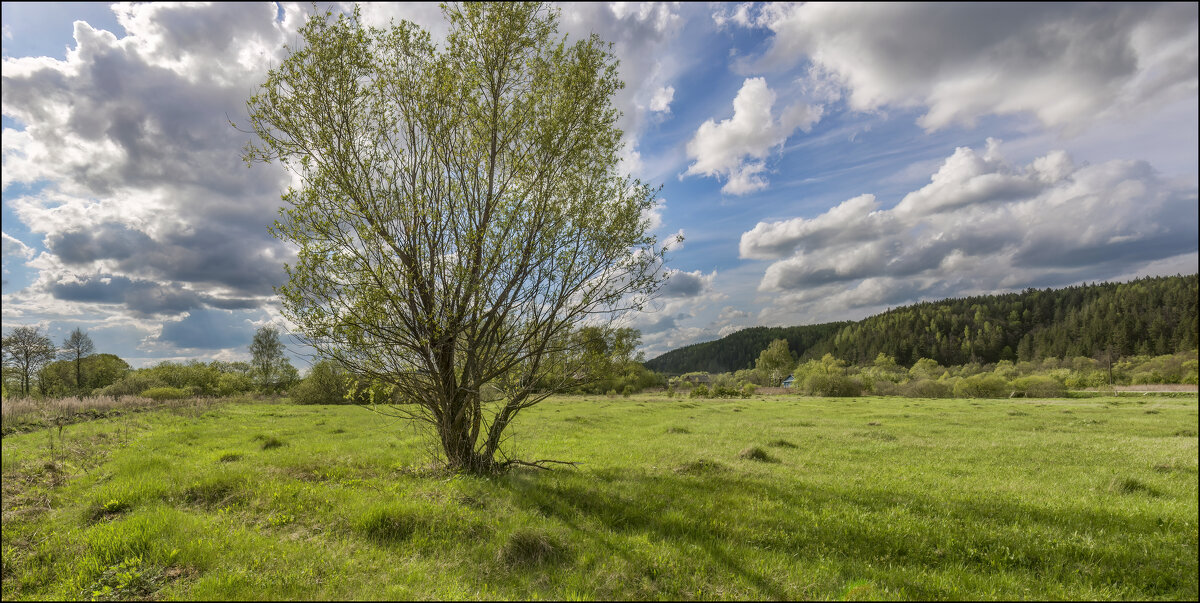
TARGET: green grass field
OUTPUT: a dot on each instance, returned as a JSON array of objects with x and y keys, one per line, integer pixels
[{"x": 771, "y": 497}]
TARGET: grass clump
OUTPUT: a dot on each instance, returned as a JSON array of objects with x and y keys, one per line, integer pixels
[
  {"x": 102, "y": 509},
  {"x": 531, "y": 546},
  {"x": 678, "y": 430},
  {"x": 229, "y": 457},
  {"x": 269, "y": 442},
  {"x": 701, "y": 467},
  {"x": 756, "y": 453},
  {"x": 1129, "y": 485},
  {"x": 387, "y": 525},
  {"x": 213, "y": 491},
  {"x": 781, "y": 443}
]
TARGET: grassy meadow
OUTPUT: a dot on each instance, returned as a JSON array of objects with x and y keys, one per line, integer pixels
[{"x": 776, "y": 497}]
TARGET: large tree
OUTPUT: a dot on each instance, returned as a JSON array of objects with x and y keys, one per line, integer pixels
[
  {"x": 75, "y": 348},
  {"x": 459, "y": 209},
  {"x": 27, "y": 350}
]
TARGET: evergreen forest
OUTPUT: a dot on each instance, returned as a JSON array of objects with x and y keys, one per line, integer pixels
[{"x": 1149, "y": 316}]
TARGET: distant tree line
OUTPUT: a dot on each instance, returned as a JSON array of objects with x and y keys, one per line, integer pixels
[
  {"x": 31, "y": 369},
  {"x": 1108, "y": 321},
  {"x": 926, "y": 378}
]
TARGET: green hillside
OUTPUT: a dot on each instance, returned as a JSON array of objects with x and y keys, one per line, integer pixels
[
  {"x": 739, "y": 350},
  {"x": 1150, "y": 316}
]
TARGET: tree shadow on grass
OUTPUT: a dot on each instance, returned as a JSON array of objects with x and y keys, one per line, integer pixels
[{"x": 1068, "y": 549}]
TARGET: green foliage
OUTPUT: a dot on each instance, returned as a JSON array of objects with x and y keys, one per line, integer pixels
[
  {"x": 723, "y": 391},
  {"x": 926, "y": 388},
  {"x": 610, "y": 361},
  {"x": 1039, "y": 386},
  {"x": 25, "y": 352},
  {"x": 132, "y": 384},
  {"x": 982, "y": 386},
  {"x": 325, "y": 384},
  {"x": 165, "y": 393},
  {"x": 459, "y": 211},
  {"x": 775, "y": 362},
  {"x": 270, "y": 369},
  {"x": 700, "y": 391}
]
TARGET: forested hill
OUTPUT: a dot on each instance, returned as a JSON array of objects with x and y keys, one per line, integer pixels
[
  {"x": 739, "y": 350},
  {"x": 1156, "y": 315}
]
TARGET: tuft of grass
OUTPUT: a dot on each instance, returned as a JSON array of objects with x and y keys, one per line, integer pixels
[
  {"x": 387, "y": 524},
  {"x": 1129, "y": 485},
  {"x": 882, "y": 436},
  {"x": 531, "y": 546},
  {"x": 678, "y": 430},
  {"x": 213, "y": 491},
  {"x": 781, "y": 443},
  {"x": 229, "y": 457},
  {"x": 269, "y": 442},
  {"x": 755, "y": 453},
  {"x": 1186, "y": 433},
  {"x": 108, "y": 508},
  {"x": 701, "y": 467}
]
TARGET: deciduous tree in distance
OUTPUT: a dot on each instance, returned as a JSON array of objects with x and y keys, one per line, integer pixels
[
  {"x": 75, "y": 348},
  {"x": 27, "y": 350}
]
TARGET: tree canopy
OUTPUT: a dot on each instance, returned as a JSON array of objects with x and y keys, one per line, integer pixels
[
  {"x": 75, "y": 348},
  {"x": 459, "y": 210},
  {"x": 27, "y": 350}
]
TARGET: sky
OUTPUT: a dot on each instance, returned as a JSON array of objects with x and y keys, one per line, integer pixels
[{"x": 821, "y": 161}]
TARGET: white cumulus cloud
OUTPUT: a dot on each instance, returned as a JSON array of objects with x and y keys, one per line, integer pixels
[
  {"x": 981, "y": 224},
  {"x": 736, "y": 149}
]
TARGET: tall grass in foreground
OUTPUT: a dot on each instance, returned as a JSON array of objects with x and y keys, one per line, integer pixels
[{"x": 780, "y": 497}]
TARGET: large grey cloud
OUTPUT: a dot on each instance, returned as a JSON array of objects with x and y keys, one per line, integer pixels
[
  {"x": 1069, "y": 64},
  {"x": 141, "y": 193}
]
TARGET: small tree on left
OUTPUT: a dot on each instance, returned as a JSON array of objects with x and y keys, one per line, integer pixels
[{"x": 27, "y": 350}]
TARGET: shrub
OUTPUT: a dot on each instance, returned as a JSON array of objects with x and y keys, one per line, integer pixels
[
  {"x": 722, "y": 391},
  {"x": 700, "y": 391},
  {"x": 233, "y": 383},
  {"x": 982, "y": 386},
  {"x": 832, "y": 385},
  {"x": 132, "y": 384},
  {"x": 165, "y": 393},
  {"x": 748, "y": 389},
  {"x": 325, "y": 384},
  {"x": 883, "y": 387},
  {"x": 1039, "y": 386}
]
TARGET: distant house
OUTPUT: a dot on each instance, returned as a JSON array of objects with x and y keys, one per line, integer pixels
[{"x": 789, "y": 381}]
